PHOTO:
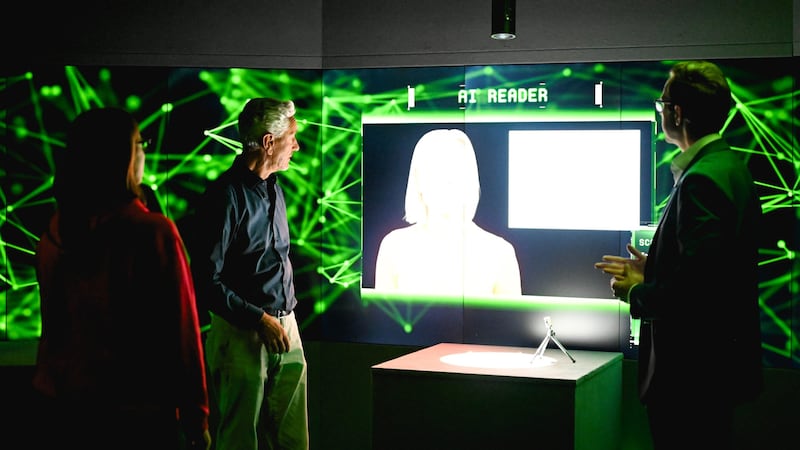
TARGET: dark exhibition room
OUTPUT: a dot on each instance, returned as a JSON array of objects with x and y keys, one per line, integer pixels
[{"x": 601, "y": 220}]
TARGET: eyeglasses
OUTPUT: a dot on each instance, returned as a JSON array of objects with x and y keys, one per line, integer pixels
[
  {"x": 659, "y": 102},
  {"x": 144, "y": 143}
]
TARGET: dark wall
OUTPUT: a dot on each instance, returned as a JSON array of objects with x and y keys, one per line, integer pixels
[
  {"x": 382, "y": 33},
  {"x": 421, "y": 32},
  {"x": 183, "y": 33}
]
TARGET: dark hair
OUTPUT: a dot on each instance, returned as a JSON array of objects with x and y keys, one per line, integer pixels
[
  {"x": 95, "y": 171},
  {"x": 702, "y": 91}
]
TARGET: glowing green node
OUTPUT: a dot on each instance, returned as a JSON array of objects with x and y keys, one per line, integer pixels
[
  {"x": 16, "y": 189},
  {"x": 104, "y": 74},
  {"x": 408, "y": 328},
  {"x": 356, "y": 83},
  {"x": 301, "y": 242},
  {"x": 782, "y": 115},
  {"x": 212, "y": 175},
  {"x": 207, "y": 158},
  {"x": 284, "y": 78},
  {"x": 20, "y": 131},
  {"x": 133, "y": 102},
  {"x": 598, "y": 68},
  {"x": 567, "y": 72},
  {"x": 167, "y": 107},
  {"x": 322, "y": 219},
  {"x": 783, "y": 84},
  {"x": 366, "y": 99},
  {"x": 320, "y": 307},
  {"x": 28, "y": 75},
  {"x": 54, "y": 91},
  {"x": 781, "y": 244},
  {"x": 204, "y": 76},
  {"x": 10, "y": 208},
  {"x": 488, "y": 70}
]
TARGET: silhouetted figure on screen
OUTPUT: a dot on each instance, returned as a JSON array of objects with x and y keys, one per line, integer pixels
[{"x": 443, "y": 251}]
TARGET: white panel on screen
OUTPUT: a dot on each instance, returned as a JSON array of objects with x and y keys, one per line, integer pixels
[{"x": 574, "y": 179}]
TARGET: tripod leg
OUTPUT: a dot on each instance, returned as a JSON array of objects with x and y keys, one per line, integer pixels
[
  {"x": 562, "y": 348},
  {"x": 540, "y": 351}
]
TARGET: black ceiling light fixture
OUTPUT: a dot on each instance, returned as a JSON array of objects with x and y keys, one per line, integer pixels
[{"x": 503, "y": 18}]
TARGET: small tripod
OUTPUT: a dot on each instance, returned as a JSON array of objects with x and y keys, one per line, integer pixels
[{"x": 551, "y": 334}]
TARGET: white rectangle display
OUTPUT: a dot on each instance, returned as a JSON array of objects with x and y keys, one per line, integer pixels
[{"x": 574, "y": 179}]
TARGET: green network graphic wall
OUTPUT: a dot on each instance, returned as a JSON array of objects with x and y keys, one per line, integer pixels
[{"x": 191, "y": 116}]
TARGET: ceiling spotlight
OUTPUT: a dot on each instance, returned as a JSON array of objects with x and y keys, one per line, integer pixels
[{"x": 503, "y": 12}]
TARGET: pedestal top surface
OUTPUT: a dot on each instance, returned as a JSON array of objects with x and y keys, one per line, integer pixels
[{"x": 555, "y": 365}]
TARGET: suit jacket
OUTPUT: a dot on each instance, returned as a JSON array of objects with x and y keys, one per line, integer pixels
[{"x": 700, "y": 328}]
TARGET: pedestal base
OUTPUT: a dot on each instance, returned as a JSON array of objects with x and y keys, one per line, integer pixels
[{"x": 422, "y": 402}]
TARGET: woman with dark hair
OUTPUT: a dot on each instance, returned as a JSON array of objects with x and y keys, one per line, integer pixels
[{"x": 120, "y": 361}]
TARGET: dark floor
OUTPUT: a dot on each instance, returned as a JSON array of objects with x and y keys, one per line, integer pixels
[{"x": 340, "y": 401}]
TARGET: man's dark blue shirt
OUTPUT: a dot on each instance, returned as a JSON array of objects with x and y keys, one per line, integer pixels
[{"x": 240, "y": 256}]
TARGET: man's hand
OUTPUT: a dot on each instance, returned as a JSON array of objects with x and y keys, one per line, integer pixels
[
  {"x": 625, "y": 272},
  {"x": 273, "y": 335}
]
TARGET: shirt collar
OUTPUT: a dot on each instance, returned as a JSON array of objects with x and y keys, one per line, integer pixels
[
  {"x": 248, "y": 176},
  {"x": 682, "y": 160}
]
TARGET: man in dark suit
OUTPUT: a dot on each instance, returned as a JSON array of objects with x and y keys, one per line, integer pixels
[{"x": 696, "y": 290}]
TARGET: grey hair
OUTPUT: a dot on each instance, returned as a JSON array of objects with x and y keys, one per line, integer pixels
[{"x": 264, "y": 115}]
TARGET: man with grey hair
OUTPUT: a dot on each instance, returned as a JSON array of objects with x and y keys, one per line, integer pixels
[{"x": 244, "y": 277}]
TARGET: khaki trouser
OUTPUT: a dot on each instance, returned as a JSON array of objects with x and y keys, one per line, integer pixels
[{"x": 260, "y": 396}]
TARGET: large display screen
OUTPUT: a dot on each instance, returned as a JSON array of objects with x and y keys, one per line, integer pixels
[
  {"x": 539, "y": 187},
  {"x": 542, "y": 147}
]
